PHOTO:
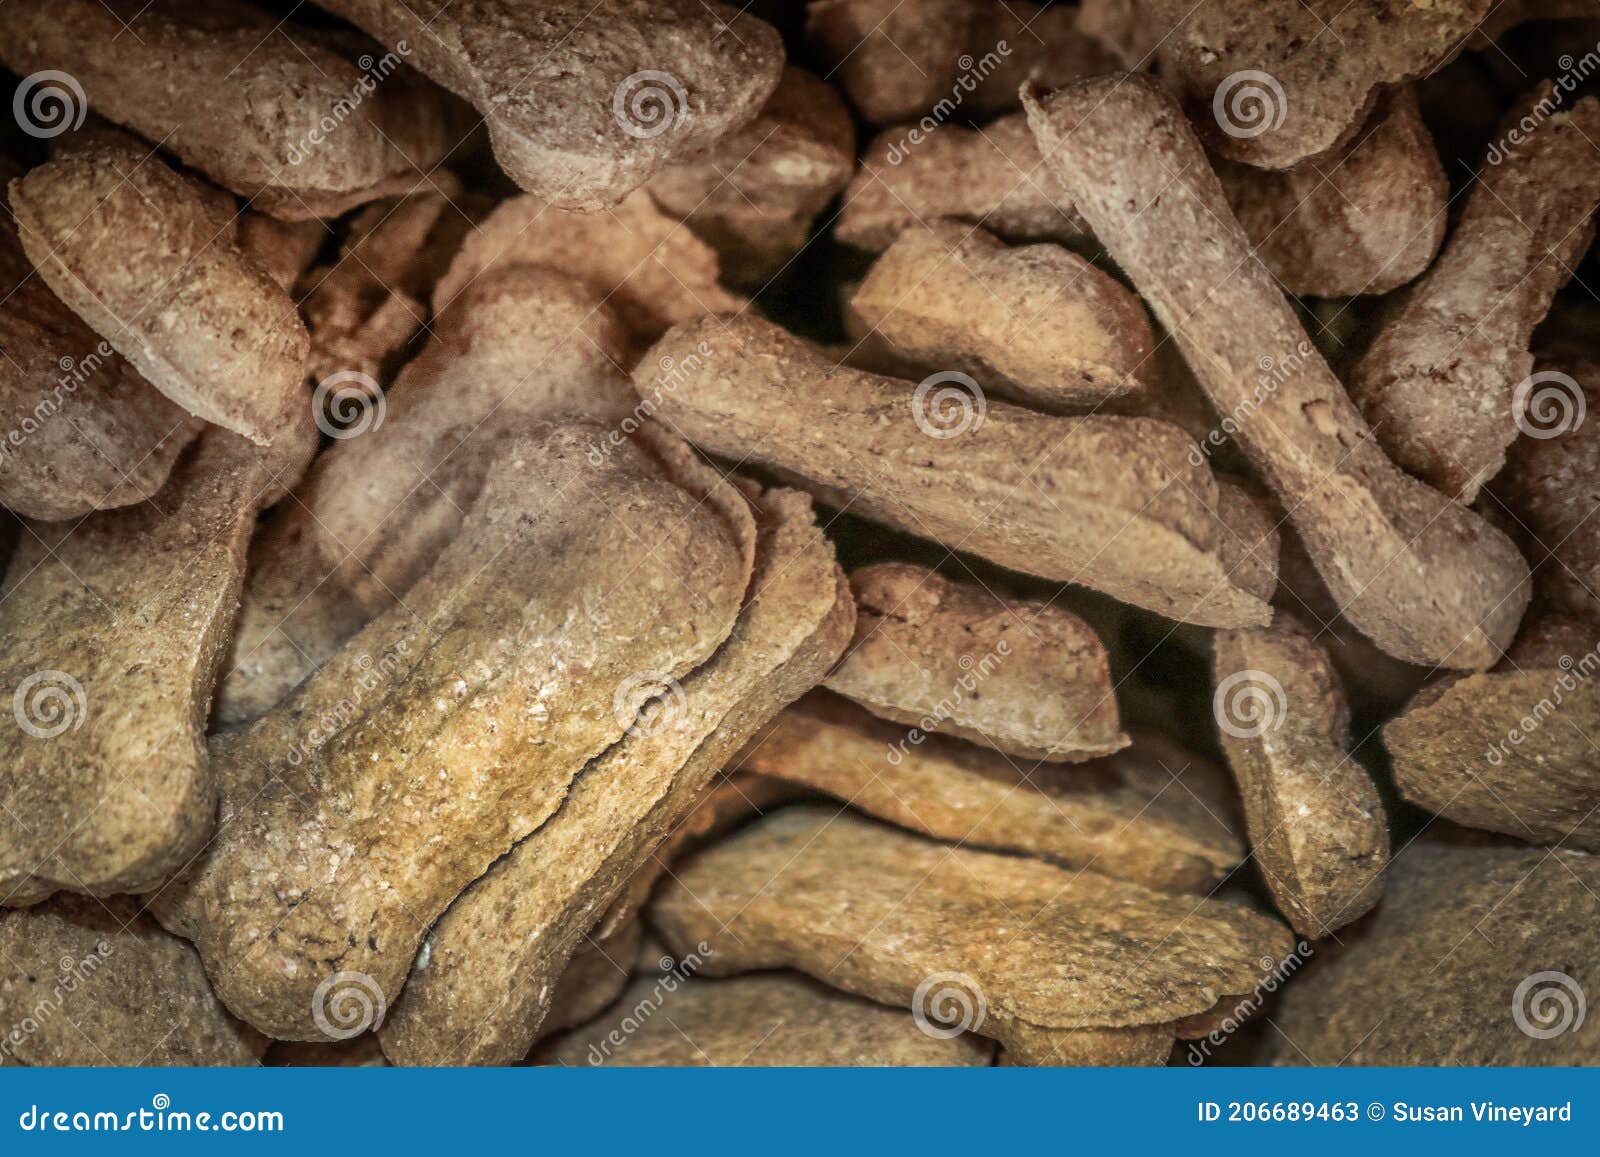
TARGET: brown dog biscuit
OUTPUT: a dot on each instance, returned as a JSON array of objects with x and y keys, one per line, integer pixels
[
  {"x": 1032, "y": 948},
  {"x": 135, "y": 248},
  {"x": 1118, "y": 504},
  {"x": 582, "y": 110},
  {"x": 95, "y": 982},
  {"x": 1023, "y": 677},
  {"x": 1423, "y": 577},
  {"x": 115, "y": 629},
  {"x": 481, "y": 987},
  {"x": 1447, "y": 384},
  {"x": 302, "y": 123},
  {"x": 1154, "y": 814},
  {"x": 354, "y": 813},
  {"x": 1317, "y": 828},
  {"x": 1477, "y": 956}
]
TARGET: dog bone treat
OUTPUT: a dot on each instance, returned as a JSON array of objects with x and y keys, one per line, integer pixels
[
  {"x": 596, "y": 976},
  {"x": 1112, "y": 503},
  {"x": 651, "y": 269},
  {"x": 1152, "y": 814},
  {"x": 898, "y": 59},
  {"x": 1039, "y": 326},
  {"x": 133, "y": 248},
  {"x": 482, "y": 986},
  {"x": 778, "y": 1018},
  {"x": 1477, "y": 956},
  {"x": 1547, "y": 484},
  {"x": 1022, "y": 677},
  {"x": 1446, "y": 384},
  {"x": 80, "y": 430},
  {"x": 1512, "y": 750},
  {"x": 991, "y": 176},
  {"x": 451, "y": 727},
  {"x": 1365, "y": 219},
  {"x": 522, "y": 344},
  {"x": 1423, "y": 577},
  {"x": 114, "y": 628},
  {"x": 754, "y": 195},
  {"x": 1317, "y": 827},
  {"x": 583, "y": 108},
  {"x": 876, "y": 912},
  {"x": 274, "y": 112},
  {"x": 1260, "y": 89},
  {"x": 95, "y": 982}
]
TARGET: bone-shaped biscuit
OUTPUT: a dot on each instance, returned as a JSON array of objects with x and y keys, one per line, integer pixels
[
  {"x": 1419, "y": 574},
  {"x": 482, "y": 986},
  {"x": 136, "y": 249},
  {"x": 114, "y": 630},
  {"x": 1118, "y": 504},
  {"x": 304, "y": 124},
  {"x": 452, "y": 726},
  {"x": 584, "y": 105},
  {"x": 1038, "y": 952}
]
